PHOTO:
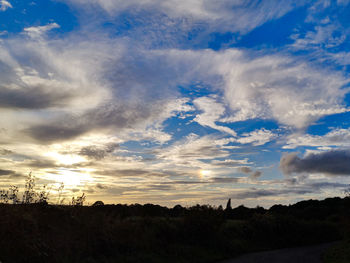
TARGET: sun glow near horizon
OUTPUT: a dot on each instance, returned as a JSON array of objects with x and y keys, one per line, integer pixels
[
  {"x": 70, "y": 178},
  {"x": 205, "y": 174}
]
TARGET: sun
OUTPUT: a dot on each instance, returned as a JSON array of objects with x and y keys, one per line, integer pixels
[
  {"x": 71, "y": 178},
  {"x": 205, "y": 173},
  {"x": 65, "y": 159}
]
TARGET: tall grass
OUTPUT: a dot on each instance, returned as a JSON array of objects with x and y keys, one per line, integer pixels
[{"x": 33, "y": 195}]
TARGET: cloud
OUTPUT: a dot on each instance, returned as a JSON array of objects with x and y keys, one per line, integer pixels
[
  {"x": 336, "y": 162},
  {"x": 276, "y": 87},
  {"x": 6, "y": 172},
  {"x": 324, "y": 36},
  {"x": 321, "y": 185},
  {"x": 97, "y": 153},
  {"x": 211, "y": 113},
  {"x": 38, "y": 31},
  {"x": 336, "y": 137},
  {"x": 10, "y": 173},
  {"x": 64, "y": 98},
  {"x": 225, "y": 180},
  {"x": 129, "y": 117},
  {"x": 142, "y": 173},
  {"x": 38, "y": 75},
  {"x": 245, "y": 170},
  {"x": 343, "y": 2},
  {"x": 53, "y": 132},
  {"x": 104, "y": 86},
  {"x": 88, "y": 86},
  {"x": 253, "y": 175},
  {"x": 257, "y": 193},
  {"x": 4, "y": 5},
  {"x": 33, "y": 97},
  {"x": 228, "y": 15},
  {"x": 229, "y": 163},
  {"x": 5, "y": 152},
  {"x": 192, "y": 148},
  {"x": 41, "y": 163},
  {"x": 257, "y": 137},
  {"x": 101, "y": 186}
]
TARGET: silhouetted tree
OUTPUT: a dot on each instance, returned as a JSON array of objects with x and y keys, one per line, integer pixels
[
  {"x": 98, "y": 203},
  {"x": 347, "y": 192},
  {"x": 228, "y": 205}
]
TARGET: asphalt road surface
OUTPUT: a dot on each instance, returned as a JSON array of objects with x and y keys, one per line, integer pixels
[{"x": 312, "y": 254}]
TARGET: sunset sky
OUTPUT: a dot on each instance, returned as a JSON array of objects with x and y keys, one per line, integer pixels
[{"x": 177, "y": 101}]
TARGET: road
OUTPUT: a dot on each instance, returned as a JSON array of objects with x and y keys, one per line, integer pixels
[{"x": 311, "y": 254}]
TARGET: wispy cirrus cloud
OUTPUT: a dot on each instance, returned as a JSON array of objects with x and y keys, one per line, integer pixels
[
  {"x": 211, "y": 112},
  {"x": 38, "y": 31},
  {"x": 224, "y": 15},
  {"x": 267, "y": 87},
  {"x": 334, "y": 138},
  {"x": 4, "y": 5},
  {"x": 257, "y": 137}
]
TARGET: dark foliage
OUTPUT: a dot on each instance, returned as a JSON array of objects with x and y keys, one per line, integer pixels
[{"x": 152, "y": 233}]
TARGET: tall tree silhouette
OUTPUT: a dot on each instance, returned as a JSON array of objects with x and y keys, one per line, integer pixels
[{"x": 228, "y": 205}]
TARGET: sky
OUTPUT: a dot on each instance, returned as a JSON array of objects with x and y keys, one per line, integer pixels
[{"x": 177, "y": 101}]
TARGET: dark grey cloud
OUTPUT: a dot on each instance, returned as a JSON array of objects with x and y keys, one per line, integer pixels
[
  {"x": 245, "y": 170},
  {"x": 256, "y": 193},
  {"x": 227, "y": 163},
  {"x": 255, "y": 175},
  {"x": 183, "y": 182},
  {"x": 41, "y": 164},
  {"x": 101, "y": 186},
  {"x": 106, "y": 116},
  {"x": 5, "y": 152},
  {"x": 97, "y": 153},
  {"x": 320, "y": 185},
  {"x": 225, "y": 180},
  {"x": 336, "y": 162},
  {"x": 6, "y": 172},
  {"x": 10, "y": 173},
  {"x": 33, "y": 97},
  {"x": 93, "y": 152},
  {"x": 158, "y": 187},
  {"x": 128, "y": 173},
  {"x": 55, "y": 132}
]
